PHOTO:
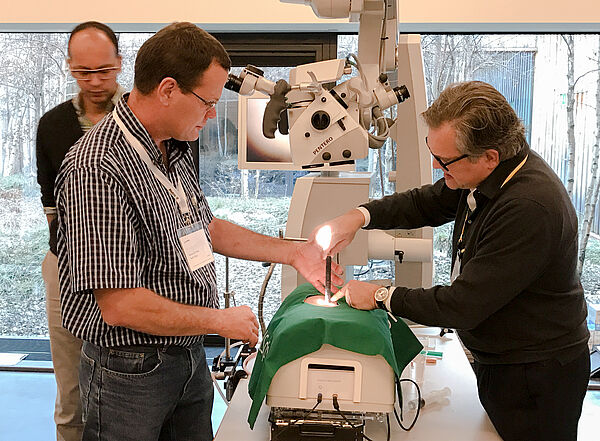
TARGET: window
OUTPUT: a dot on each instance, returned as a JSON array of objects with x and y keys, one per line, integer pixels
[
  {"x": 37, "y": 79},
  {"x": 256, "y": 199},
  {"x": 531, "y": 70}
]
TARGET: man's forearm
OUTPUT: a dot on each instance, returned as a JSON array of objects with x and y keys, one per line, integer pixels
[
  {"x": 234, "y": 241},
  {"x": 143, "y": 310}
]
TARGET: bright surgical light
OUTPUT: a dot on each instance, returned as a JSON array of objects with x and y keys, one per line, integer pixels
[
  {"x": 324, "y": 240},
  {"x": 324, "y": 236}
]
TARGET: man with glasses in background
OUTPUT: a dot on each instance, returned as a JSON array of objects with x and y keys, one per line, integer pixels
[
  {"x": 94, "y": 61},
  {"x": 515, "y": 297},
  {"x": 136, "y": 239}
]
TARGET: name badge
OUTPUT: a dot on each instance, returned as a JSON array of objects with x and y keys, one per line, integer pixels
[
  {"x": 455, "y": 268},
  {"x": 196, "y": 248}
]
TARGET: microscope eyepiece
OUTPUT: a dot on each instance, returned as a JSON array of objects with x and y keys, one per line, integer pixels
[
  {"x": 402, "y": 93},
  {"x": 255, "y": 70},
  {"x": 233, "y": 83}
]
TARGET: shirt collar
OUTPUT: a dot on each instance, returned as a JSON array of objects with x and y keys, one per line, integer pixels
[
  {"x": 77, "y": 101},
  {"x": 493, "y": 183},
  {"x": 175, "y": 149}
]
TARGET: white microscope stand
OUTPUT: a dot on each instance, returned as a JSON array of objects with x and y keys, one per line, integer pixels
[{"x": 317, "y": 199}]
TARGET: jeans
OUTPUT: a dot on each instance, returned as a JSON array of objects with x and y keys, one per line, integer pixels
[
  {"x": 143, "y": 393},
  {"x": 538, "y": 401}
]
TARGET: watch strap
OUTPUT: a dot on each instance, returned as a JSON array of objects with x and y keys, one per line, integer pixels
[{"x": 383, "y": 304}]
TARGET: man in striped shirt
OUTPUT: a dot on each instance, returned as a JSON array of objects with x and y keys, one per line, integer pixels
[
  {"x": 135, "y": 246},
  {"x": 94, "y": 62}
]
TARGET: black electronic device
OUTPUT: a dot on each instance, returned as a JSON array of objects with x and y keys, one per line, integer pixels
[{"x": 293, "y": 425}]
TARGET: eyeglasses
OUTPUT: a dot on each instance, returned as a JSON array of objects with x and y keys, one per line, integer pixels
[
  {"x": 209, "y": 104},
  {"x": 443, "y": 164},
  {"x": 104, "y": 73}
]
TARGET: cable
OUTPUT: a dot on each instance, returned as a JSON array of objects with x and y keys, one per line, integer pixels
[
  {"x": 399, "y": 391},
  {"x": 383, "y": 128},
  {"x": 319, "y": 401},
  {"x": 293, "y": 422},
  {"x": 382, "y": 39},
  {"x": 358, "y": 66},
  {"x": 369, "y": 265},
  {"x": 263, "y": 290},
  {"x": 389, "y": 431},
  {"x": 219, "y": 390},
  {"x": 380, "y": 162},
  {"x": 336, "y": 406},
  {"x": 261, "y": 299}
]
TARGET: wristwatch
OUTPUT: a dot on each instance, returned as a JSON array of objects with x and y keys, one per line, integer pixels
[{"x": 381, "y": 295}]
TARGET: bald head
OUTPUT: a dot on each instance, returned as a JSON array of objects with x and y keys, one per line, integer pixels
[
  {"x": 92, "y": 49},
  {"x": 101, "y": 27},
  {"x": 94, "y": 62}
]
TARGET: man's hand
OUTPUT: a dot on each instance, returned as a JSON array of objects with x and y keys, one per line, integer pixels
[
  {"x": 309, "y": 261},
  {"x": 359, "y": 295},
  {"x": 343, "y": 230},
  {"x": 238, "y": 322}
]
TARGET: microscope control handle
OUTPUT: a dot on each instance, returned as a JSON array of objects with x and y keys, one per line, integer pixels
[{"x": 275, "y": 106}]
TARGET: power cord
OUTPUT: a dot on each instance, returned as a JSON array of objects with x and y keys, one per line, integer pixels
[
  {"x": 400, "y": 418},
  {"x": 336, "y": 406},
  {"x": 389, "y": 431},
  {"x": 293, "y": 422},
  {"x": 319, "y": 401}
]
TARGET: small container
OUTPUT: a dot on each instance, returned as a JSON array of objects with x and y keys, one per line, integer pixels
[{"x": 430, "y": 398}]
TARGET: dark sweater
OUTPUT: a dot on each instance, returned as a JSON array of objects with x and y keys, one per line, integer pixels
[
  {"x": 57, "y": 131},
  {"x": 518, "y": 298}
]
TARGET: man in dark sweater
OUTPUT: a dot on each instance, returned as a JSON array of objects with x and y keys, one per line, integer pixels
[
  {"x": 94, "y": 62},
  {"x": 515, "y": 297}
]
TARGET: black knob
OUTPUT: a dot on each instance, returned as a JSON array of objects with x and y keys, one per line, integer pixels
[
  {"x": 320, "y": 120},
  {"x": 383, "y": 78},
  {"x": 346, "y": 154},
  {"x": 326, "y": 156}
]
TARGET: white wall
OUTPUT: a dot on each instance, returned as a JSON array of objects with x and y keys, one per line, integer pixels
[{"x": 272, "y": 11}]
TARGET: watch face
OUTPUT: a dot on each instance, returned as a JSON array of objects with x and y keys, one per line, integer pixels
[{"x": 381, "y": 294}]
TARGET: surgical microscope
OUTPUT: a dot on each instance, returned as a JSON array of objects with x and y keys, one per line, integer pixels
[{"x": 332, "y": 123}]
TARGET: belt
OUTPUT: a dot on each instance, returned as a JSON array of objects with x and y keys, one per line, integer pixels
[{"x": 152, "y": 347}]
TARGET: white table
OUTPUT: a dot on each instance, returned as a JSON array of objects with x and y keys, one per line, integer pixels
[{"x": 461, "y": 418}]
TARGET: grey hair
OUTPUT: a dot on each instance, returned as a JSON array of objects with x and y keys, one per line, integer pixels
[{"x": 482, "y": 118}]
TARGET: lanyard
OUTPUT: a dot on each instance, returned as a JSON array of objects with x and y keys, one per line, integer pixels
[
  {"x": 177, "y": 192},
  {"x": 510, "y": 176},
  {"x": 514, "y": 172}
]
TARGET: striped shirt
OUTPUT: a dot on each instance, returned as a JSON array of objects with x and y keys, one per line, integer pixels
[{"x": 118, "y": 229}]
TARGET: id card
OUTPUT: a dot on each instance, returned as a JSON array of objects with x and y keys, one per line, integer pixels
[
  {"x": 196, "y": 248},
  {"x": 455, "y": 269}
]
